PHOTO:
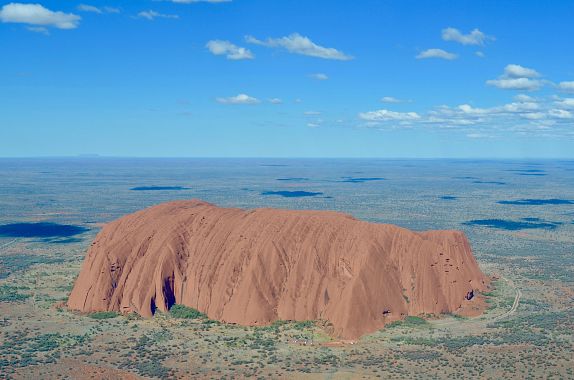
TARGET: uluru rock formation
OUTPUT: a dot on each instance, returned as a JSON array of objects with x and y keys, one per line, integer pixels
[{"x": 252, "y": 267}]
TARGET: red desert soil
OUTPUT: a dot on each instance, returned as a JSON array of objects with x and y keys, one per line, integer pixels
[
  {"x": 252, "y": 267},
  {"x": 74, "y": 370}
]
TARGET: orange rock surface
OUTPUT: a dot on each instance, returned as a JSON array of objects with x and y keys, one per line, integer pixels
[{"x": 253, "y": 267}]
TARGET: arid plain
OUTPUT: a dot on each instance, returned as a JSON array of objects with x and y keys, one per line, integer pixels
[{"x": 518, "y": 216}]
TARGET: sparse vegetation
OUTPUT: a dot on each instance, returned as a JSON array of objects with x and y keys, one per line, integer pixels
[
  {"x": 40, "y": 340},
  {"x": 104, "y": 314},
  {"x": 184, "y": 312},
  {"x": 414, "y": 321},
  {"x": 10, "y": 294}
]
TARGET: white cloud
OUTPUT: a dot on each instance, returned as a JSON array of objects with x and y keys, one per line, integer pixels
[
  {"x": 565, "y": 103},
  {"x": 505, "y": 109},
  {"x": 478, "y": 135},
  {"x": 391, "y": 99},
  {"x": 38, "y": 29},
  {"x": 517, "y": 77},
  {"x": 436, "y": 53},
  {"x": 470, "y": 110},
  {"x": 386, "y": 115},
  {"x": 475, "y": 37},
  {"x": 534, "y": 116},
  {"x": 111, "y": 10},
  {"x": 524, "y": 98},
  {"x": 549, "y": 116},
  {"x": 566, "y": 86},
  {"x": 311, "y": 113},
  {"x": 479, "y": 54},
  {"x": 239, "y": 99},
  {"x": 89, "y": 8},
  {"x": 36, "y": 14},
  {"x": 515, "y": 83},
  {"x": 319, "y": 76},
  {"x": 275, "y": 101},
  {"x": 517, "y": 71},
  {"x": 313, "y": 125},
  {"x": 298, "y": 44},
  {"x": 518, "y": 107},
  {"x": 231, "y": 51},
  {"x": 152, "y": 15},
  {"x": 93, "y": 9},
  {"x": 561, "y": 114}
]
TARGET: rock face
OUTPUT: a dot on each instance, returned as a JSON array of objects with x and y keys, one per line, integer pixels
[{"x": 252, "y": 267}]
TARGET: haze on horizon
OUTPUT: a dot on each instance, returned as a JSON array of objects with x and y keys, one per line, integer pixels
[{"x": 255, "y": 78}]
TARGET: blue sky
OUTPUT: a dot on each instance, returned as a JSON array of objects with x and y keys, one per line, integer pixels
[{"x": 278, "y": 78}]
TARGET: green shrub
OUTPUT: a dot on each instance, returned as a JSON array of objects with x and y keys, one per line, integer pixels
[
  {"x": 300, "y": 325},
  {"x": 184, "y": 312},
  {"x": 414, "y": 321},
  {"x": 393, "y": 324},
  {"x": 10, "y": 294},
  {"x": 104, "y": 314}
]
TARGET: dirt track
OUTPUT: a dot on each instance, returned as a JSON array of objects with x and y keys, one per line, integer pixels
[
  {"x": 481, "y": 319},
  {"x": 514, "y": 304},
  {"x": 8, "y": 244}
]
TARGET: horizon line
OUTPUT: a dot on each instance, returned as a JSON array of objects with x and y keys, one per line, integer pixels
[{"x": 97, "y": 156}]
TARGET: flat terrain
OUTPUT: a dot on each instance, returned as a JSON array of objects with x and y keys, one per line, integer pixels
[{"x": 51, "y": 209}]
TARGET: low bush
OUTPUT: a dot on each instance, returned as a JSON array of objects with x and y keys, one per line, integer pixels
[
  {"x": 184, "y": 312},
  {"x": 104, "y": 314}
]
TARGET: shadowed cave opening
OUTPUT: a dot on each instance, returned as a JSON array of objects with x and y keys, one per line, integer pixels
[
  {"x": 168, "y": 295},
  {"x": 152, "y": 305},
  {"x": 168, "y": 292}
]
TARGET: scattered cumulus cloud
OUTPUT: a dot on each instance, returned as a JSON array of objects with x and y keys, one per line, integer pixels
[
  {"x": 94, "y": 9},
  {"x": 475, "y": 37},
  {"x": 111, "y": 10},
  {"x": 561, "y": 114},
  {"x": 319, "y": 76},
  {"x": 517, "y": 71},
  {"x": 478, "y": 136},
  {"x": 517, "y": 77},
  {"x": 386, "y": 115},
  {"x": 533, "y": 116},
  {"x": 527, "y": 115},
  {"x": 298, "y": 44},
  {"x": 38, "y": 29},
  {"x": 231, "y": 51},
  {"x": 36, "y": 14},
  {"x": 515, "y": 83},
  {"x": 480, "y": 54},
  {"x": 275, "y": 101},
  {"x": 566, "y": 86},
  {"x": 524, "y": 98},
  {"x": 239, "y": 99},
  {"x": 152, "y": 15},
  {"x": 565, "y": 103},
  {"x": 391, "y": 99},
  {"x": 436, "y": 53},
  {"x": 518, "y": 107},
  {"x": 89, "y": 8}
]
